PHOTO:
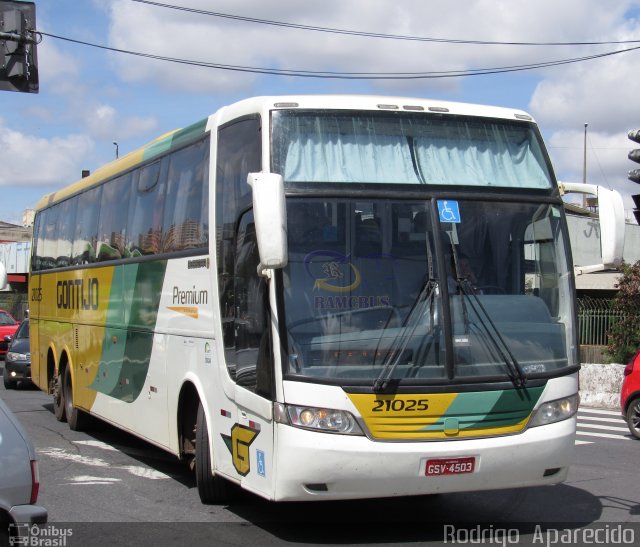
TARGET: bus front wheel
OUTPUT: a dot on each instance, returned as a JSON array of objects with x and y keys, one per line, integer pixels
[{"x": 211, "y": 488}]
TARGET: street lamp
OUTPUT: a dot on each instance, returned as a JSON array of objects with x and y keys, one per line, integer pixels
[{"x": 117, "y": 149}]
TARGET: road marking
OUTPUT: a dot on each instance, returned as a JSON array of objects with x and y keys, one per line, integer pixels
[
  {"x": 97, "y": 444},
  {"x": 130, "y": 451},
  {"x": 583, "y": 442},
  {"x": 85, "y": 480},
  {"x": 597, "y": 419},
  {"x": 605, "y": 427},
  {"x": 599, "y": 411},
  {"x": 60, "y": 454},
  {"x": 603, "y": 435},
  {"x": 137, "y": 470}
]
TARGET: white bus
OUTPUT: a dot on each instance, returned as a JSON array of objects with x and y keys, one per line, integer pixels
[{"x": 320, "y": 297}]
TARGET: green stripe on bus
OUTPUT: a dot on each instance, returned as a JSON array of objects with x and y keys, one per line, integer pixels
[
  {"x": 126, "y": 351},
  {"x": 175, "y": 140},
  {"x": 486, "y": 409}
]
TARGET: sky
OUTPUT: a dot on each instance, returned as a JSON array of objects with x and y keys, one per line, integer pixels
[{"x": 91, "y": 98}]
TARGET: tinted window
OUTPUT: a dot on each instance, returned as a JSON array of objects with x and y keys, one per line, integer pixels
[
  {"x": 6, "y": 319},
  {"x": 185, "y": 223},
  {"x": 38, "y": 242},
  {"x": 86, "y": 227},
  {"x": 239, "y": 153},
  {"x": 144, "y": 233},
  {"x": 113, "y": 219},
  {"x": 23, "y": 330},
  {"x": 50, "y": 239},
  {"x": 65, "y": 231}
]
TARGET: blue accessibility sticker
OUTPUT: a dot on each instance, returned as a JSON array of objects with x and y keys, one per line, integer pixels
[
  {"x": 448, "y": 210},
  {"x": 261, "y": 465}
]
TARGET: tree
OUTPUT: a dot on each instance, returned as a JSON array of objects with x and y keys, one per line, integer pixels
[{"x": 624, "y": 335}]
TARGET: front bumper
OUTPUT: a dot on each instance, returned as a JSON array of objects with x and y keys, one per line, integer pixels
[
  {"x": 17, "y": 370},
  {"x": 315, "y": 466}
]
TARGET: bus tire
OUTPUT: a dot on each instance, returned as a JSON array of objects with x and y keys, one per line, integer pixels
[
  {"x": 76, "y": 418},
  {"x": 211, "y": 488},
  {"x": 58, "y": 399}
]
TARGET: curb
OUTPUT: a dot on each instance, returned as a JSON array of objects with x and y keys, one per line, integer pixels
[{"x": 600, "y": 385}]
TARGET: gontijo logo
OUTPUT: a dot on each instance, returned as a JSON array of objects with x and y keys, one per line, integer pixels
[{"x": 77, "y": 294}]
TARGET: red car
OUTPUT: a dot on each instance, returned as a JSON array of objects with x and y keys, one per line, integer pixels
[
  {"x": 630, "y": 395},
  {"x": 8, "y": 327}
]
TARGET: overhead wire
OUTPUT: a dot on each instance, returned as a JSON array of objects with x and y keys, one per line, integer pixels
[
  {"x": 366, "y": 34},
  {"x": 299, "y": 73}
]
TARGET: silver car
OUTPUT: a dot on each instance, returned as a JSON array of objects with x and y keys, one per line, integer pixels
[{"x": 19, "y": 480}]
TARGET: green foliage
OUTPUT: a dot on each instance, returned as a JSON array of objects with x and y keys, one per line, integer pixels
[{"x": 624, "y": 336}]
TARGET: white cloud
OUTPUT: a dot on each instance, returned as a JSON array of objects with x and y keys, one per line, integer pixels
[
  {"x": 32, "y": 161},
  {"x": 57, "y": 71},
  {"x": 104, "y": 123},
  {"x": 180, "y": 34}
]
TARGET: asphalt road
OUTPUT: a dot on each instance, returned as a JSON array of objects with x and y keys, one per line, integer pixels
[{"x": 104, "y": 487}]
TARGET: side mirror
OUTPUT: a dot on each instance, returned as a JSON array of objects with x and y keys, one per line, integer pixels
[
  {"x": 8, "y": 338},
  {"x": 270, "y": 216},
  {"x": 611, "y": 216}
]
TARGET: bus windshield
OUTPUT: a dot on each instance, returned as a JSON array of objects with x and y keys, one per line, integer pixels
[
  {"x": 367, "y": 280},
  {"x": 407, "y": 148}
]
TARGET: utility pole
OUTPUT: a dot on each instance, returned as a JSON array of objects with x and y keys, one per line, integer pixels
[{"x": 584, "y": 166}]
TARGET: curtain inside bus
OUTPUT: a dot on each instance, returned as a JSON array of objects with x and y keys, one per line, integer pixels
[{"x": 401, "y": 148}]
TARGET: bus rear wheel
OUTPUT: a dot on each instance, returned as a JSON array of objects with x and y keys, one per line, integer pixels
[
  {"x": 211, "y": 488},
  {"x": 76, "y": 418},
  {"x": 58, "y": 399}
]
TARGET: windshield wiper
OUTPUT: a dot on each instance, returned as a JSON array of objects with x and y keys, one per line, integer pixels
[
  {"x": 395, "y": 353},
  {"x": 516, "y": 373}
]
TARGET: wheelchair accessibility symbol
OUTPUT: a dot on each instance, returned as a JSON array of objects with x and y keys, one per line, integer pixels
[{"x": 448, "y": 210}]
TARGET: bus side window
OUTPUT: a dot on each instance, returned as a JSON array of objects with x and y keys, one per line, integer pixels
[
  {"x": 38, "y": 241},
  {"x": 84, "y": 246},
  {"x": 65, "y": 230},
  {"x": 185, "y": 224},
  {"x": 113, "y": 219},
  {"x": 50, "y": 242},
  {"x": 144, "y": 228}
]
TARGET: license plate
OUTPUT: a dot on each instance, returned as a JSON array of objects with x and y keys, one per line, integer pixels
[{"x": 450, "y": 466}]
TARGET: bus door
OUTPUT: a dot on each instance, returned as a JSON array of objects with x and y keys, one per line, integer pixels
[{"x": 250, "y": 364}]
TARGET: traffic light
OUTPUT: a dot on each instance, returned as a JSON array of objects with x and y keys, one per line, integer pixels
[
  {"x": 636, "y": 210},
  {"x": 634, "y": 155},
  {"x": 18, "y": 51}
]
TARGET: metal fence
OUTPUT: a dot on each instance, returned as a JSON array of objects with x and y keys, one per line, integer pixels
[{"x": 595, "y": 318}]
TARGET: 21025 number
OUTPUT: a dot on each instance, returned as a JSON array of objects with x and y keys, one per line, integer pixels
[{"x": 400, "y": 405}]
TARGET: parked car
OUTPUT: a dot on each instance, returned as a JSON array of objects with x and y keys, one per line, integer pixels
[
  {"x": 19, "y": 480},
  {"x": 8, "y": 327},
  {"x": 630, "y": 395},
  {"x": 17, "y": 361}
]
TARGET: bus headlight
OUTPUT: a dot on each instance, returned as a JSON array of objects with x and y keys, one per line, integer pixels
[
  {"x": 555, "y": 411},
  {"x": 317, "y": 419}
]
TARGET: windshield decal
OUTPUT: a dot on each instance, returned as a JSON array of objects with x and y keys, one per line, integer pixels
[
  {"x": 338, "y": 275},
  {"x": 449, "y": 211}
]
